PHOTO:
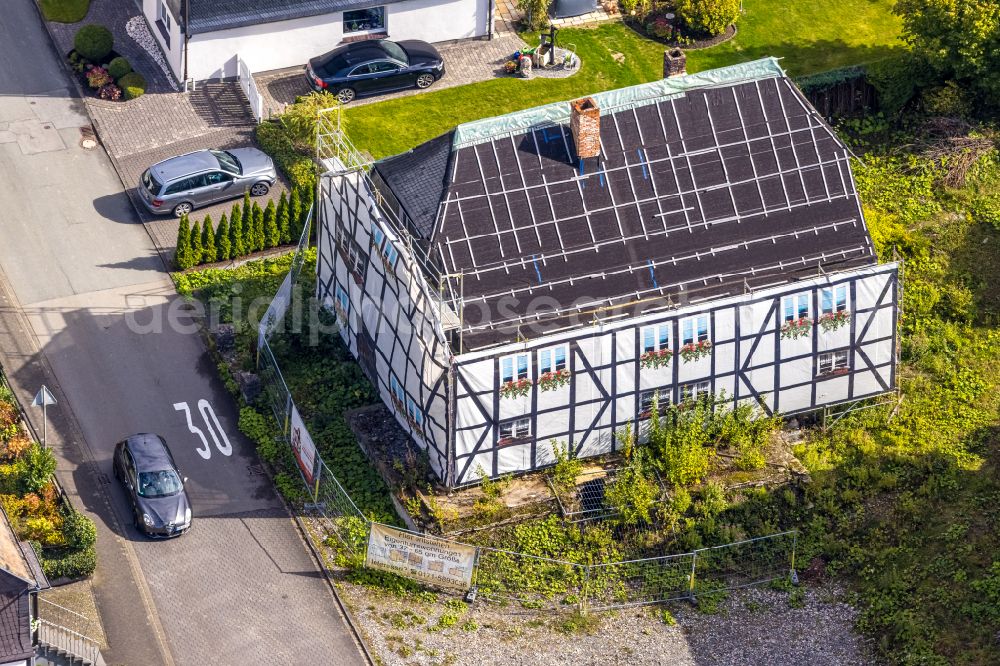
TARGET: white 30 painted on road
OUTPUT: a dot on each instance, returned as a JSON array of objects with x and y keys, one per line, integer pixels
[{"x": 213, "y": 425}]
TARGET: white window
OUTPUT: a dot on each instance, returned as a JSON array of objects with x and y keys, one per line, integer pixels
[
  {"x": 833, "y": 299},
  {"x": 343, "y": 301},
  {"x": 377, "y": 236},
  {"x": 515, "y": 429},
  {"x": 551, "y": 360},
  {"x": 365, "y": 20},
  {"x": 655, "y": 338},
  {"x": 694, "y": 391},
  {"x": 646, "y": 400},
  {"x": 795, "y": 307},
  {"x": 832, "y": 361},
  {"x": 390, "y": 254},
  {"x": 694, "y": 329},
  {"x": 513, "y": 367},
  {"x": 163, "y": 14},
  {"x": 413, "y": 411}
]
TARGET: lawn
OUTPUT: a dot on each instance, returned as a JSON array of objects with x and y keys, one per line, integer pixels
[
  {"x": 810, "y": 36},
  {"x": 64, "y": 11}
]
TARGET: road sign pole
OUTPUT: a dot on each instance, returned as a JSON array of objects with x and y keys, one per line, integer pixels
[
  {"x": 43, "y": 399},
  {"x": 45, "y": 425}
]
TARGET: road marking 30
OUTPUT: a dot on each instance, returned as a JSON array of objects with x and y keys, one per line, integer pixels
[{"x": 219, "y": 437}]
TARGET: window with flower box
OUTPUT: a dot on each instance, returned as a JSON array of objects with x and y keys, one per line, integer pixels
[
  {"x": 656, "y": 350},
  {"x": 398, "y": 395},
  {"x": 378, "y": 236},
  {"x": 795, "y": 311},
  {"x": 342, "y": 302},
  {"x": 833, "y": 308},
  {"x": 553, "y": 372},
  {"x": 694, "y": 338},
  {"x": 514, "y": 431},
  {"x": 833, "y": 363},
  {"x": 414, "y": 414},
  {"x": 514, "y": 371},
  {"x": 695, "y": 390},
  {"x": 390, "y": 255}
]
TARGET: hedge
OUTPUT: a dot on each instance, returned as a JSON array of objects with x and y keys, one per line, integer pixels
[
  {"x": 133, "y": 85},
  {"x": 68, "y": 563},
  {"x": 93, "y": 42},
  {"x": 298, "y": 168},
  {"x": 119, "y": 67}
]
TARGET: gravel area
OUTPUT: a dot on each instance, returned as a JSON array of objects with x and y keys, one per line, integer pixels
[{"x": 753, "y": 626}]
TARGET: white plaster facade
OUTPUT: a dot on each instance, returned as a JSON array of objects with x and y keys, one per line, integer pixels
[{"x": 279, "y": 44}]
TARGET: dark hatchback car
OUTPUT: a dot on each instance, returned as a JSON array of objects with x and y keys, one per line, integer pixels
[
  {"x": 160, "y": 506},
  {"x": 375, "y": 66}
]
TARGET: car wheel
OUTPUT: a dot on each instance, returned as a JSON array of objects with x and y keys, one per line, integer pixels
[
  {"x": 259, "y": 189},
  {"x": 425, "y": 80},
  {"x": 345, "y": 95},
  {"x": 182, "y": 209}
]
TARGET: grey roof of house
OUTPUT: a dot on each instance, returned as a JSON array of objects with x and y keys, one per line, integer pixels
[
  {"x": 212, "y": 15},
  {"x": 723, "y": 188},
  {"x": 15, "y": 618}
]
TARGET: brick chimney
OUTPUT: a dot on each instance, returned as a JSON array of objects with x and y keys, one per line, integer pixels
[
  {"x": 585, "y": 123},
  {"x": 674, "y": 63}
]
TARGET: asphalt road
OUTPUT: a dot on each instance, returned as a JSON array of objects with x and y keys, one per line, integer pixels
[{"x": 241, "y": 587}]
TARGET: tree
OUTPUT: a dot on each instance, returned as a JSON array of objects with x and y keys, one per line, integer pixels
[
  {"x": 195, "y": 244},
  {"x": 182, "y": 253},
  {"x": 958, "y": 40},
  {"x": 257, "y": 229},
  {"x": 710, "y": 17},
  {"x": 247, "y": 224},
  {"x": 237, "y": 244},
  {"x": 272, "y": 236},
  {"x": 295, "y": 213},
  {"x": 208, "y": 251},
  {"x": 223, "y": 246},
  {"x": 284, "y": 230}
]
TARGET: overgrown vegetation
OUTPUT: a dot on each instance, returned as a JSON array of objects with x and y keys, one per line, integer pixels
[{"x": 62, "y": 537}]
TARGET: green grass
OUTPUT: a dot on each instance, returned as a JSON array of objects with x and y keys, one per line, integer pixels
[
  {"x": 810, "y": 36},
  {"x": 64, "y": 11}
]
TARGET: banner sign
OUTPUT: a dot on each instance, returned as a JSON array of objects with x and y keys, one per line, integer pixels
[
  {"x": 421, "y": 558},
  {"x": 275, "y": 311},
  {"x": 302, "y": 445}
]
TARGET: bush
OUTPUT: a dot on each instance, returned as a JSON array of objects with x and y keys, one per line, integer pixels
[
  {"x": 35, "y": 468},
  {"x": 299, "y": 168},
  {"x": 195, "y": 244},
  {"x": 237, "y": 248},
  {"x": 93, "y": 42},
  {"x": 710, "y": 17},
  {"x": 69, "y": 563},
  {"x": 119, "y": 67},
  {"x": 208, "y": 251},
  {"x": 272, "y": 234},
  {"x": 110, "y": 91},
  {"x": 223, "y": 247},
  {"x": 79, "y": 531},
  {"x": 182, "y": 253},
  {"x": 133, "y": 85},
  {"x": 98, "y": 77}
]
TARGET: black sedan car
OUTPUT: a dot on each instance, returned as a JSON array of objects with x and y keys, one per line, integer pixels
[
  {"x": 374, "y": 66},
  {"x": 160, "y": 506}
]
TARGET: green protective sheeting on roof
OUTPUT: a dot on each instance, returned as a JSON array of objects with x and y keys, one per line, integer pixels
[{"x": 480, "y": 131}]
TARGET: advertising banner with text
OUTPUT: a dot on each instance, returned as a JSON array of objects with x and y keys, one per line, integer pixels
[{"x": 419, "y": 557}]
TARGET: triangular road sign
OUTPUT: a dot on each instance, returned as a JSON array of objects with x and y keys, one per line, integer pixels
[{"x": 44, "y": 397}]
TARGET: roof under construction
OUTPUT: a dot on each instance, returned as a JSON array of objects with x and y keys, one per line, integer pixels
[{"x": 708, "y": 186}]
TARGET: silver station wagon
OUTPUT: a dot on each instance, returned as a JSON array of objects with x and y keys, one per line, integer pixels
[{"x": 183, "y": 183}]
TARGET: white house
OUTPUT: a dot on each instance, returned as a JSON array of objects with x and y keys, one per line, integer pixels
[
  {"x": 544, "y": 274},
  {"x": 202, "y": 38}
]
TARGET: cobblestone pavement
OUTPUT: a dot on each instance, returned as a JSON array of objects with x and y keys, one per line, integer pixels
[
  {"x": 465, "y": 61},
  {"x": 507, "y": 15}
]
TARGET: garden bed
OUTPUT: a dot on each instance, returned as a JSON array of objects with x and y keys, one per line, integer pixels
[{"x": 656, "y": 27}]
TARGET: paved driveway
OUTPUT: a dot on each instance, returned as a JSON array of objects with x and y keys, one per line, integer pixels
[{"x": 84, "y": 281}]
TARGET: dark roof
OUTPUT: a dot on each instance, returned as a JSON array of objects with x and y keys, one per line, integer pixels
[
  {"x": 418, "y": 179},
  {"x": 212, "y": 15},
  {"x": 699, "y": 195},
  {"x": 15, "y": 618},
  {"x": 150, "y": 452}
]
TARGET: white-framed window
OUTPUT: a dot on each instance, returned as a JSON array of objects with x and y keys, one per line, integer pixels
[
  {"x": 694, "y": 329},
  {"x": 163, "y": 14},
  {"x": 832, "y": 361},
  {"x": 515, "y": 429},
  {"x": 655, "y": 338},
  {"x": 396, "y": 388},
  {"x": 646, "y": 400},
  {"x": 413, "y": 412},
  {"x": 343, "y": 300},
  {"x": 390, "y": 254},
  {"x": 552, "y": 359},
  {"x": 695, "y": 390},
  {"x": 513, "y": 367},
  {"x": 795, "y": 307},
  {"x": 377, "y": 236},
  {"x": 833, "y": 299},
  {"x": 364, "y": 20}
]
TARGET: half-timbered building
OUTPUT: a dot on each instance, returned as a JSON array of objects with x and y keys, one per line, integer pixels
[{"x": 542, "y": 275}]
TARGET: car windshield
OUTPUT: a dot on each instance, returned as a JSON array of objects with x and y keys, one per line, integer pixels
[
  {"x": 395, "y": 51},
  {"x": 159, "y": 484},
  {"x": 150, "y": 183},
  {"x": 228, "y": 161}
]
